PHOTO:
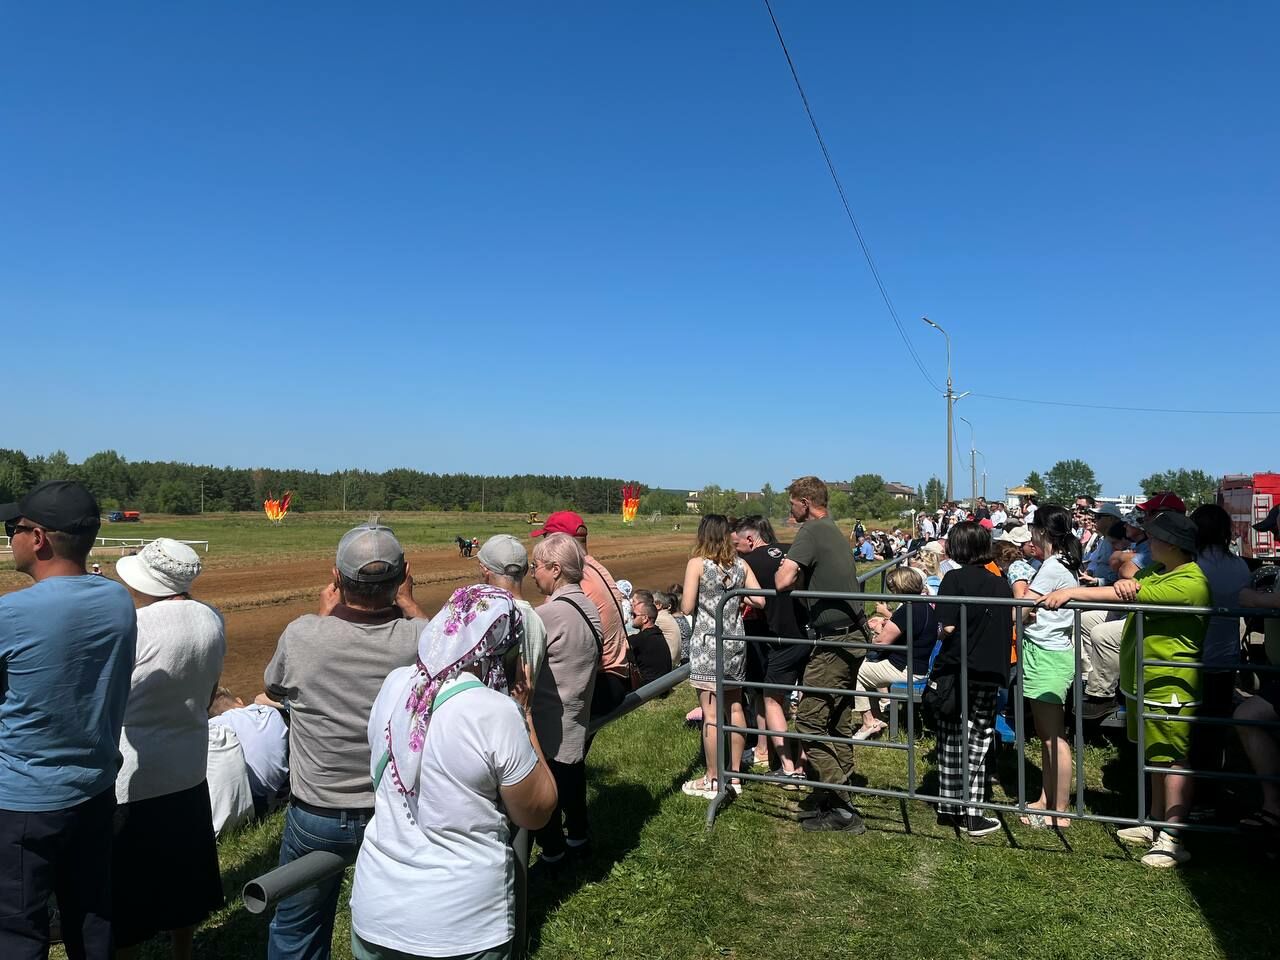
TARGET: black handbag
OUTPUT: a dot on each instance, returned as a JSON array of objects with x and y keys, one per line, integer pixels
[{"x": 940, "y": 699}]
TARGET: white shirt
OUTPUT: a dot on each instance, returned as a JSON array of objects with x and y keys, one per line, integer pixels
[
  {"x": 264, "y": 738},
  {"x": 1029, "y": 514},
  {"x": 998, "y": 517},
  {"x": 229, "y": 792},
  {"x": 436, "y": 877},
  {"x": 1051, "y": 629},
  {"x": 165, "y": 736},
  {"x": 533, "y": 648}
]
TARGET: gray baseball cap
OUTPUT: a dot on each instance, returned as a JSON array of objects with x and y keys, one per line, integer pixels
[
  {"x": 368, "y": 545},
  {"x": 1108, "y": 510},
  {"x": 504, "y": 555}
]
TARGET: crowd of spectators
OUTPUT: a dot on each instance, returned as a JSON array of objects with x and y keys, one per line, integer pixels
[{"x": 410, "y": 744}]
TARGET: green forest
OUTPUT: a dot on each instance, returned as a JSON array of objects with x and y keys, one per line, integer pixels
[{"x": 184, "y": 488}]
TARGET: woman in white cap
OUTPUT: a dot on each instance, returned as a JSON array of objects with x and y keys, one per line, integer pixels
[
  {"x": 452, "y": 759},
  {"x": 164, "y": 873}
]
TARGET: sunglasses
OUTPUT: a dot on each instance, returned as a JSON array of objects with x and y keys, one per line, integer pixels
[{"x": 12, "y": 527}]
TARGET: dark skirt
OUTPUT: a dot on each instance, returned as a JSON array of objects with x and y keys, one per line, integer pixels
[{"x": 164, "y": 865}]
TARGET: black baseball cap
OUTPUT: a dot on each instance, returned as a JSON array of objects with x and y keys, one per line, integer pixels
[{"x": 64, "y": 505}]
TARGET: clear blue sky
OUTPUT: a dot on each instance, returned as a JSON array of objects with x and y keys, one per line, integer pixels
[{"x": 599, "y": 238}]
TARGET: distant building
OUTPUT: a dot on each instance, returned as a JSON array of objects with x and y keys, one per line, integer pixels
[
  {"x": 900, "y": 491},
  {"x": 691, "y": 504},
  {"x": 843, "y": 486}
]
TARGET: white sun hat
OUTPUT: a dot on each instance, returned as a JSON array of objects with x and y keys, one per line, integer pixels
[{"x": 162, "y": 568}]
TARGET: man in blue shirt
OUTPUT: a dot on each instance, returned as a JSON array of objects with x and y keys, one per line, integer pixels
[
  {"x": 66, "y": 655},
  {"x": 866, "y": 550}
]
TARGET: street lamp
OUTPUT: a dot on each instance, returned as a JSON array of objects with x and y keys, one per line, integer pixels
[
  {"x": 951, "y": 399},
  {"x": 973, "y": 468}
]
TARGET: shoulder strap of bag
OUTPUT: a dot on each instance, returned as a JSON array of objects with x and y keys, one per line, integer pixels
[
  {"x": 441, "y": 699},
  {"x": 587, "y": 620}
]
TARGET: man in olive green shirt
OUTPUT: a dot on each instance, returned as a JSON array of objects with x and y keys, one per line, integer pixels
[{"x": 820, "y": 559}]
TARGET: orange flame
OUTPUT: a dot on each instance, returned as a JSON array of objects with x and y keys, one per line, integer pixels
[
  {"x": 630, "y": 502},
  {"x": 276, "y": 509}
]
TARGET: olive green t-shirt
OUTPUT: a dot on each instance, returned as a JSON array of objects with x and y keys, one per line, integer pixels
[{"x": 826, "y": 563}]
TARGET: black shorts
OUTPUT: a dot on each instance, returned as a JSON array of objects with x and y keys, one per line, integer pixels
[
  {"x": 756, "y": 661},
  {"x": 785, "y": 663},
  {"x": 164, "y": 865}
]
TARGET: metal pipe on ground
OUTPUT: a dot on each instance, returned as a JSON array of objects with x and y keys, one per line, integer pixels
[{"x": 263, "y": 893}]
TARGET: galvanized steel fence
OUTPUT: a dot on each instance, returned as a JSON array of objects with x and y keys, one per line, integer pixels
[{"x": 912, "y": 791}]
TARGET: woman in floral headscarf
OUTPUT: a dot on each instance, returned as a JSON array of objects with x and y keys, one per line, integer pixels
[{"x": 453, "y": 758}]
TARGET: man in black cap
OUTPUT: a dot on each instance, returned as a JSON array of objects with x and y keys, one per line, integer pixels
[{"x": 66, "y": 655}]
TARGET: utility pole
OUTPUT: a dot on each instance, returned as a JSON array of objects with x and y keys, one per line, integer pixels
[
  {"x": 202, "y": 494},
  {"x": 482, "y": 494},
  {"x": 344, "y": 491},
  {"x": 951, "y": 399}
]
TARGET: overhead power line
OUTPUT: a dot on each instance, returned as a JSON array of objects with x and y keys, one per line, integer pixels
[
  {"x": 844, "y": 199},
  {"x": 1103, "y": 406}
]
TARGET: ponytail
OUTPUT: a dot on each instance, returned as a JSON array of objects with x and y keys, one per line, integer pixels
[{"x": 1052, "y": 527}]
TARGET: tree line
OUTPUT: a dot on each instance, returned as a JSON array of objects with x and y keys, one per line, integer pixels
[
  {"x": 1068, "y": 479},
  {"x": 169, "y": 487}
]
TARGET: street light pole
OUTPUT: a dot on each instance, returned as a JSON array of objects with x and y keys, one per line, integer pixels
[
  {"x": 950, "y": 399},
  {"x": 973, "y": 469}
]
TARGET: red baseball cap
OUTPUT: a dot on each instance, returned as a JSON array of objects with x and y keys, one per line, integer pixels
[
  {"x": 562, "y": 521},
  {"x": 985, "y": 523},
  {"x": 1163, "y": 501}
]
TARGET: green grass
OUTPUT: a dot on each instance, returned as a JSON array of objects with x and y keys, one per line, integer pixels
[{"x": 661, "y": 885}]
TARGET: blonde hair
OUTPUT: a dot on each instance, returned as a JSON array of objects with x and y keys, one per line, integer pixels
[
  {"x": 566, "y": 552},
  {"x": 904, "y": 580},
  {"x": 927, "y": 561},
  {"x": 713, "y": 541}
]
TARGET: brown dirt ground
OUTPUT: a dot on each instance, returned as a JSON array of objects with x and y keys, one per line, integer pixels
[{"x": 257, "y": 601}]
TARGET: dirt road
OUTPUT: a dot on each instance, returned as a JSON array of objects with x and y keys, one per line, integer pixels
[{"x": 259, "y": 600}]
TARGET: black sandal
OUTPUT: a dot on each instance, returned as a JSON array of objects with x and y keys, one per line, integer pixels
[{"x": 1261, "y": 820}]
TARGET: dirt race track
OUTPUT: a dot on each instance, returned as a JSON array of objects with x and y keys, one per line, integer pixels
[{"x": 258, "y": 600}]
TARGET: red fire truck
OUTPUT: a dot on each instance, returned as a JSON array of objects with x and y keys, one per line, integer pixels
[{"x": 1249, "y": 498}]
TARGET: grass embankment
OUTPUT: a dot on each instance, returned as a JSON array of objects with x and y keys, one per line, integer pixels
[{"x": 661, "y": 885}]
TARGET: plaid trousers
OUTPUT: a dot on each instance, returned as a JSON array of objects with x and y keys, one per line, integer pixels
[{"x": 951, "y": 752}]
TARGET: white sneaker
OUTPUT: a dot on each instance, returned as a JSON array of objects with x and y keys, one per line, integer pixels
[
  {"x": 1165, "y": 852},
  {"x": 1138, "y": 836}
]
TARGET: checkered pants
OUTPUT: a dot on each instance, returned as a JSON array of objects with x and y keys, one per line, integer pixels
[{"x": 951, "y": 752}]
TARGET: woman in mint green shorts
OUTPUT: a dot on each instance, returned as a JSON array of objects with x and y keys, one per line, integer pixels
[{"x": 1049, "y": 658}]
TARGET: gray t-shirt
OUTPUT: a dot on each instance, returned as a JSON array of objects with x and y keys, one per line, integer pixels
[
  {"x": 827, "y": 564},
  {"x": 330, "y": 669},
  {"x": 1227, "y": 576}
]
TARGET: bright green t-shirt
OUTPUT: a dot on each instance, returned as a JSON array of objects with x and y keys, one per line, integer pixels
[{"x": 1167, "y": 636}]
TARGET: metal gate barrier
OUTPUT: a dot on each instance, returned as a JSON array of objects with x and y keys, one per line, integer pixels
[{"x": 911, "y": 792}]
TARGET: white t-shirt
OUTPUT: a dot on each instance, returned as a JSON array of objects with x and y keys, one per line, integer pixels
[
  {"x": 440, "y": 880},
  {"x": 1227, "y": 576},
  {"x": 533, "y": 648},
  {"x": 1051, "y": 629},
  {"x": 229, "y": 792},
  {"x": 264, "y": 738},
  {"x": 165, "y": 736},
  {"x": 1029, "y": 514},
  {"x": 998, "y": 518}
]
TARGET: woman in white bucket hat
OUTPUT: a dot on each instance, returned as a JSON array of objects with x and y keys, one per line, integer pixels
[{"x": 165, "y": 859}]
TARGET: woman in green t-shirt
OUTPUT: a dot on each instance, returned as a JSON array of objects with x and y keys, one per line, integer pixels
[{"x": 1176, "y": 581}]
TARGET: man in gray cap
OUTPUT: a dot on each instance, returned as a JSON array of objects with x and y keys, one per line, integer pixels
[
  {"x": 327, "y": 670},
  {"x": 504, "y": 562}
]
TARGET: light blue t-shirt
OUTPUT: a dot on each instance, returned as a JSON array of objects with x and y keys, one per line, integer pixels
[
  {"x": 867, "y": 551},
  {"x": 1142, "y": 555},
  {"x": 66, "y": 657}
]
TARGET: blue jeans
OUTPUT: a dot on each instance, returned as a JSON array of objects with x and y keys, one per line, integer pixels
[{"x": 302, "y": 928}]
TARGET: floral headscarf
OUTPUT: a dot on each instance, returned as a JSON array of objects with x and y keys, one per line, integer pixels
[{"x": 478, "y": 625}]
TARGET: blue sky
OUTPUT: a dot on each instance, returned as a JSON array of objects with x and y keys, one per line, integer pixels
[{"x": 600, "y": 238}]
